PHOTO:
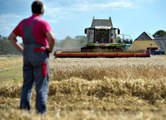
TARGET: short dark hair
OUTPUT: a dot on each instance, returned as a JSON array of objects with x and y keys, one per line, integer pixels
[{"x": 37, "y": 7}]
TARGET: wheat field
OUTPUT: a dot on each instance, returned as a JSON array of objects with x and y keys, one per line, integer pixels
[{"x": 91, "y": 89}]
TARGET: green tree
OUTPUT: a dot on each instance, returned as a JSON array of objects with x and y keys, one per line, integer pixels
[
  {"x": 6, "y": 47},
  {"x": 160, "y": 33}
]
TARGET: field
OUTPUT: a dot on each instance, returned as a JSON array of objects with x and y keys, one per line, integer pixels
[{"x": 91, "y": 89}]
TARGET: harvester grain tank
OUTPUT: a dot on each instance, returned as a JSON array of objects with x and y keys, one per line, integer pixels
[{"x": 102, "y": 41}]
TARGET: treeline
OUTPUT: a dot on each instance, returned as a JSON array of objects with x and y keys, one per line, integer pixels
[
  {"x": 6, "y": 47},
  {"x": 69, "y": 42},
  {"x": 160, "y": 33}
]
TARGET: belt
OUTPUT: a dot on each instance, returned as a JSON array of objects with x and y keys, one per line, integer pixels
[{"x": 41, "y": 49}]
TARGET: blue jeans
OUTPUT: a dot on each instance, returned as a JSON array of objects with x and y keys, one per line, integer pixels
[{"x": 35, "y": 71}]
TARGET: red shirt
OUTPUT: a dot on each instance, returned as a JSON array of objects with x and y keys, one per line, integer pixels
[{"x": 39, "y": 30}]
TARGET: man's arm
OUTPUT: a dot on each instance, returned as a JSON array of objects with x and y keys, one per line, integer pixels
[
  {"x": 13, "y": 40},
  {"x": 51, "y": 41}
]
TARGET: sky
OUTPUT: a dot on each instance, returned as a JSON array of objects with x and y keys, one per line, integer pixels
[{"x": 71, "y": 17}]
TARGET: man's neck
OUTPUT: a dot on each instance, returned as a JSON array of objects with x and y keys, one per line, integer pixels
[{"x": 40, "y": 15}]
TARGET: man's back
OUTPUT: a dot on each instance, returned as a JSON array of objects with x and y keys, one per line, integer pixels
[{"x": 39, "y": 30}]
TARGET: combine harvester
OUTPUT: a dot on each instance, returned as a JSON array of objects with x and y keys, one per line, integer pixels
[{"x": 101, "y": 42}]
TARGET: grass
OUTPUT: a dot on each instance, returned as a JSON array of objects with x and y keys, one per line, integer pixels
[
  {"x": 91, "y": 89},
  {"x": 10, "y": 68}
]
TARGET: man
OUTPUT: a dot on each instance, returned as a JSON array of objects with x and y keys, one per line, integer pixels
[{"x": 38, "y": 42}]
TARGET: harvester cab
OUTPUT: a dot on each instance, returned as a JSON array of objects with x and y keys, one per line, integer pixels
[{"x": 102, "y": 36}]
